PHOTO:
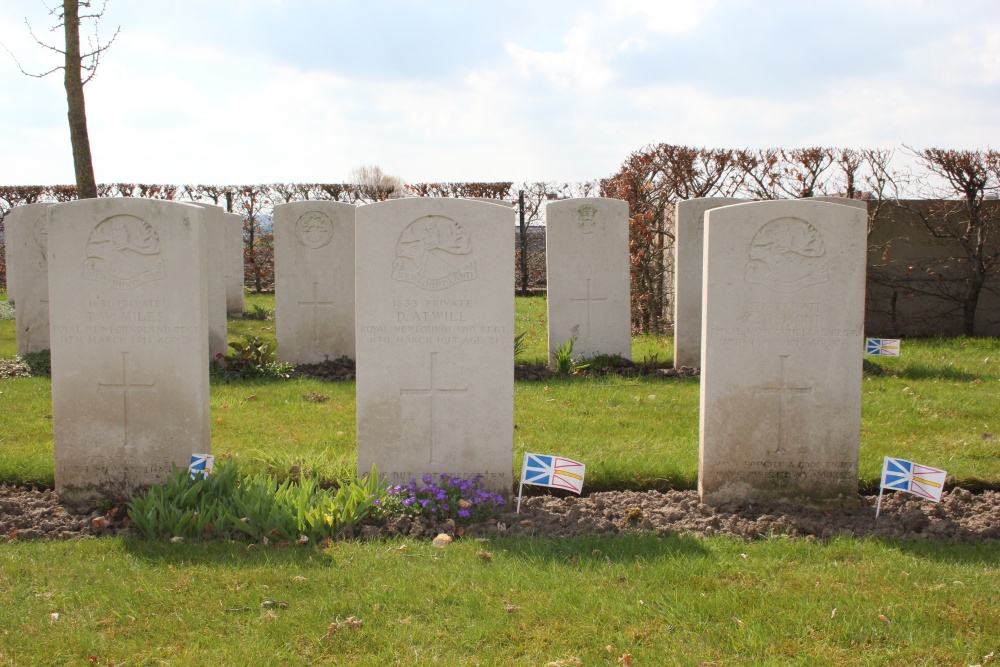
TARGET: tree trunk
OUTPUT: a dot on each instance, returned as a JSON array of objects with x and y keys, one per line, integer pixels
[
  {"x": 975, "y": 287},
  {"x": 251, "y": 251},
  {"x": 86, "y": 186},
  {"x": 524, "y": 245}
]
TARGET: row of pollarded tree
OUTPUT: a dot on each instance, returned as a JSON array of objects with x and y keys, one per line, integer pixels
[
  {"x": 256, "y": 203},
  {"x": 948, "y": 192}
]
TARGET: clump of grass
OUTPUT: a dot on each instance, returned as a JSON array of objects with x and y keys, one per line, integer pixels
[
  {"x": 604, "y": 363},
  {"x": 295, "y": 467},
  {"x": 564, "y": 361},
  {"x": 258, "y": 312},
  {"x": 6, "y": 310},
  {"x": 519, "y": 343}
]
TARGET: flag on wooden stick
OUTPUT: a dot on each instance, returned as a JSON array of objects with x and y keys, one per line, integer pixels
[
  {"x": 554, "y": 471},
  {"x": 902, "y": 475}
]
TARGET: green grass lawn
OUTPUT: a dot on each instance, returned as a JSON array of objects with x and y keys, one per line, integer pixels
[
  {"x": 663, "y": 601},
  {"x": 590, "y": 601}
]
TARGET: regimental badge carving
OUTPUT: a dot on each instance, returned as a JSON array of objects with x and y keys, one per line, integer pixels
[
  {"x": 40, "y": 232},
  {"x": 586, "y": 218},
  {"x": 787, "y": 255},
  {"x": 314, "y": 229},
  {"x": 124, "y": 252},
  {"x": 434, "y": 252}
]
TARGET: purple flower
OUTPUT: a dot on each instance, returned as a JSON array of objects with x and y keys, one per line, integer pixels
[
  {"x": 464, "y": 513},
  {"x": 428, "y": 478}
]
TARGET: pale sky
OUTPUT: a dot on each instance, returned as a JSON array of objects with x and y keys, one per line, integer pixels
[{"x": 241, "y": 91}]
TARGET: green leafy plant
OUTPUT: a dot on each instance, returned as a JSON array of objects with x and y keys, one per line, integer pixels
[
  {"x": 40, "y": 363},
  {"x": 564, "y": 360},
  {"x": 252, "y": 356},
  {"x": 258, "y": 506},
  {"x": 519, "y": 343},
  {"x": 6, "y": 310},
  {"x": 258, "y": 313}
]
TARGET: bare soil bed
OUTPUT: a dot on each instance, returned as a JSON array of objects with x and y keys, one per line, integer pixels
[
  {"x": 961, "y": 516},
  {"x": 343, "y": 369}
]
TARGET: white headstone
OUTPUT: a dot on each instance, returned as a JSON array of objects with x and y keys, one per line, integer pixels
[
  {"x": 314, "y": 280},
  {"x": 782, "y": 344},
  {"x": 218, "y": 329},
  {"x": 129, "y": 325},
  {"x": 435, "y": 339},
  {"x": 234, "y": 265},
  {"x": 588, "y": 272},
  {"x": 10, "y": 260},
  {"x": 26, "y": 238},
  {"x": 856, "y": 203},
  {"x": 688, "y": 249}
]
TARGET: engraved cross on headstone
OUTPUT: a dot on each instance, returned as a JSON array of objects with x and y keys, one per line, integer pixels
[
  {"x": 589, "y": 300},
  {"x": 784, "y": 391},
  {"x": 316, "y": 304},
  {"x": 126, "y": 386},
  {"x": 432, "y": 390}
]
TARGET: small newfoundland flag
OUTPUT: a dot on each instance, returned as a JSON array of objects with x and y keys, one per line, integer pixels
[
  {"x": 554, "y": 471},
  {"x": 201, "y": 465},
  {"x": 902, "y": 475},
  {"x": 882, "y": 347}
]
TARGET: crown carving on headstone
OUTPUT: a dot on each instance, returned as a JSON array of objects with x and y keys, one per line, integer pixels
[{"x": 587, "y": 215}]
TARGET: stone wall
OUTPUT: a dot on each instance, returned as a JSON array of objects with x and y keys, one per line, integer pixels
[{"x": 916, "y": 282}]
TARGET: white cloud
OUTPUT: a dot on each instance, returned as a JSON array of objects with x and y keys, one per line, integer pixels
[
  {"x": 968, "y": 57},
  {"x": 671, "y": 17},
  {"x": 169, "y": 107},
  {"x": 581, "y": 65}
]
